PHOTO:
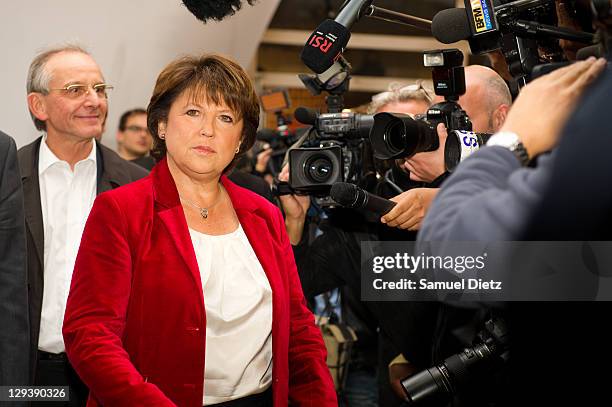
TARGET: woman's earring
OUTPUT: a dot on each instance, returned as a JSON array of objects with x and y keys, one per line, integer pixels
[
  {"x": 237, "y": 149},
  {"x": 162, "y": 136}
]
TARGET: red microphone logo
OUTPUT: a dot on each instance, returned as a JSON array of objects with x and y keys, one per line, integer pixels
[{"x": 322, "y": 42}]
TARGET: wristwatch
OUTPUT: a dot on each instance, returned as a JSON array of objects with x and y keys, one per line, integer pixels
[{"x": 511, "y": 141}]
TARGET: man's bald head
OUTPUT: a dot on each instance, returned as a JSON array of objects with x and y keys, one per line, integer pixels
[{"x": 486, "y": 100}]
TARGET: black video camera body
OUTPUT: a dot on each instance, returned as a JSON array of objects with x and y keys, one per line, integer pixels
[{"x": 332, "y": 152}]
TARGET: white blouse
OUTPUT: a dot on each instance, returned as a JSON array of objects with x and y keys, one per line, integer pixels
[{"x": 238, "y": 302}]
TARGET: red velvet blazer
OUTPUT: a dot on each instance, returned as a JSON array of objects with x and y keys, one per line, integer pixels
[{"x": 135, "y": 325}]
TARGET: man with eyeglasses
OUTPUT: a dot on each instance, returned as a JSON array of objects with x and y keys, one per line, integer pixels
[
  {"x": 133, "y": 138},
  {"x": 62, "y": 172}
]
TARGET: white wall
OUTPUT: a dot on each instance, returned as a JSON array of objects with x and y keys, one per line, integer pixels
[{"x": 132, "y": 40}]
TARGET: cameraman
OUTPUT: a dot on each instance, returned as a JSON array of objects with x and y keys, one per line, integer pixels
[
  {"x": 332, "y": 258},
  {"x": 486, "y": 101}
]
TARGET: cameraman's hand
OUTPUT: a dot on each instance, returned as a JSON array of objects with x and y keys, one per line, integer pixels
[
  {"x": 262, "y": 159},
  {"x": 295, "y": 208},
  {"x": 411, "y": 208},
  {"x": 428, "y": 166},
  {"x": 543, "y": 107}
]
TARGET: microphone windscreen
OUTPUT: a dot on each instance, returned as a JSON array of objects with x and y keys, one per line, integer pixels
[
  {"x": 451, "y": 25},
  {"x": 305, "y": 115},
  {"x": 590, "y": 51},
  {"x": 344, "y": 193},
  {"x": 324, "y": 45},
  {"x": 205, "y": 10},
  {"x": 265, "y": 135}
]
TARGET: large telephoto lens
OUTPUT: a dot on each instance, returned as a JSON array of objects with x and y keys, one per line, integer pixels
[
  {"x": 437, "y": 384},
  {"x": 396, "y": 135}
]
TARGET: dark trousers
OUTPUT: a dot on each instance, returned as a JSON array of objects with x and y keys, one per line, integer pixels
[
  {"x": 256, "y": 400},
  {"x": 55, "y": 370}
]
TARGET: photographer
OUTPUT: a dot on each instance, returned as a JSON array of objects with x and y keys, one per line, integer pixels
[{"x": 486, "y": 101}]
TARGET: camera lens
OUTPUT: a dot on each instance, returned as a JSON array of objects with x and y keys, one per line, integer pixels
[
  {"x": 395, "y": 136},
  {"x": 319, "y": 169}
]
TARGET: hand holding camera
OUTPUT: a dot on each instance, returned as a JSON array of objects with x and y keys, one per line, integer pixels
[{"x": 426, "y": 167}]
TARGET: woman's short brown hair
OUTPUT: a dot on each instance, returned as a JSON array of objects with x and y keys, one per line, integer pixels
[{"x": 220, "y": 79}]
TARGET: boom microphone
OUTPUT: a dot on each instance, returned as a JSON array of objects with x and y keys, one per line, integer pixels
[
  {"x": 328, "y": 41},
  {"x": 451, "y": 25},
  {"x": 483, "y": 25},
  {"x": 205, "y": 10},
  {"x": 476, "y": 23},
  {"x": 351, "y": 196}
]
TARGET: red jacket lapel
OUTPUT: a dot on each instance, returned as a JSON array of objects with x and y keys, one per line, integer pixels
[{"x": 171, "y": 213}]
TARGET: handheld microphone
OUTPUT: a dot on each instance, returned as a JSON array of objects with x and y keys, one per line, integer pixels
[
  {"x": 351, "y": 196},
  {"x": 327, "y": 42},
  {"x": 205, "y": 10}
]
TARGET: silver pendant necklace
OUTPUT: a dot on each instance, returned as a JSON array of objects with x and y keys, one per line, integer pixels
[{"x": 203, "y": 211}]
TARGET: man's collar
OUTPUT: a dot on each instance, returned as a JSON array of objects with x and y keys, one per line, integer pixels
[{"x": 47, "y": 158}]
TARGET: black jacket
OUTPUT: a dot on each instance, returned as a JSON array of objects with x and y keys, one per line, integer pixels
[
  {"x": 14, "y": 326},
  {"x": 113, "y": 171}
]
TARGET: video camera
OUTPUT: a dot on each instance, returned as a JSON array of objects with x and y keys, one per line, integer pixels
[
  {"x": 399, "y": 136},
  {"x": 336, "y": 146},
  {"x": 280, "y": 138},
  {"x": 439, "y": 383}
]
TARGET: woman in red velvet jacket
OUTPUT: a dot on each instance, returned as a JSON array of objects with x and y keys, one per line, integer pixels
[{"x": 154, "y": 252}]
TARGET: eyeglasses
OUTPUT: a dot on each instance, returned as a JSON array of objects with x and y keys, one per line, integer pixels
[
  {"x": 403, "y": 91},
  {"x": 137, "y": 129},
  {"x": 78, "y": 90}
]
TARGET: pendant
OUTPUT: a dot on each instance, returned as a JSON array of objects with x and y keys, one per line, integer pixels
[{"x": 204, "y": 212}]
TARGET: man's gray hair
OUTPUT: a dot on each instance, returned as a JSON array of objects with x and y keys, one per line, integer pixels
[
  {"x": 39, "y": 77},
  {"x": 498, "y": 92},
  {"x": 400, "y": 94}
]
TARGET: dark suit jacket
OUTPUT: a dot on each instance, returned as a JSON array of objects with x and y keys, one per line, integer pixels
[
  {"x": 14, "y": 327},
  {"x": 135, "y": 323},
  {"x": 113, "y": 171}
]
